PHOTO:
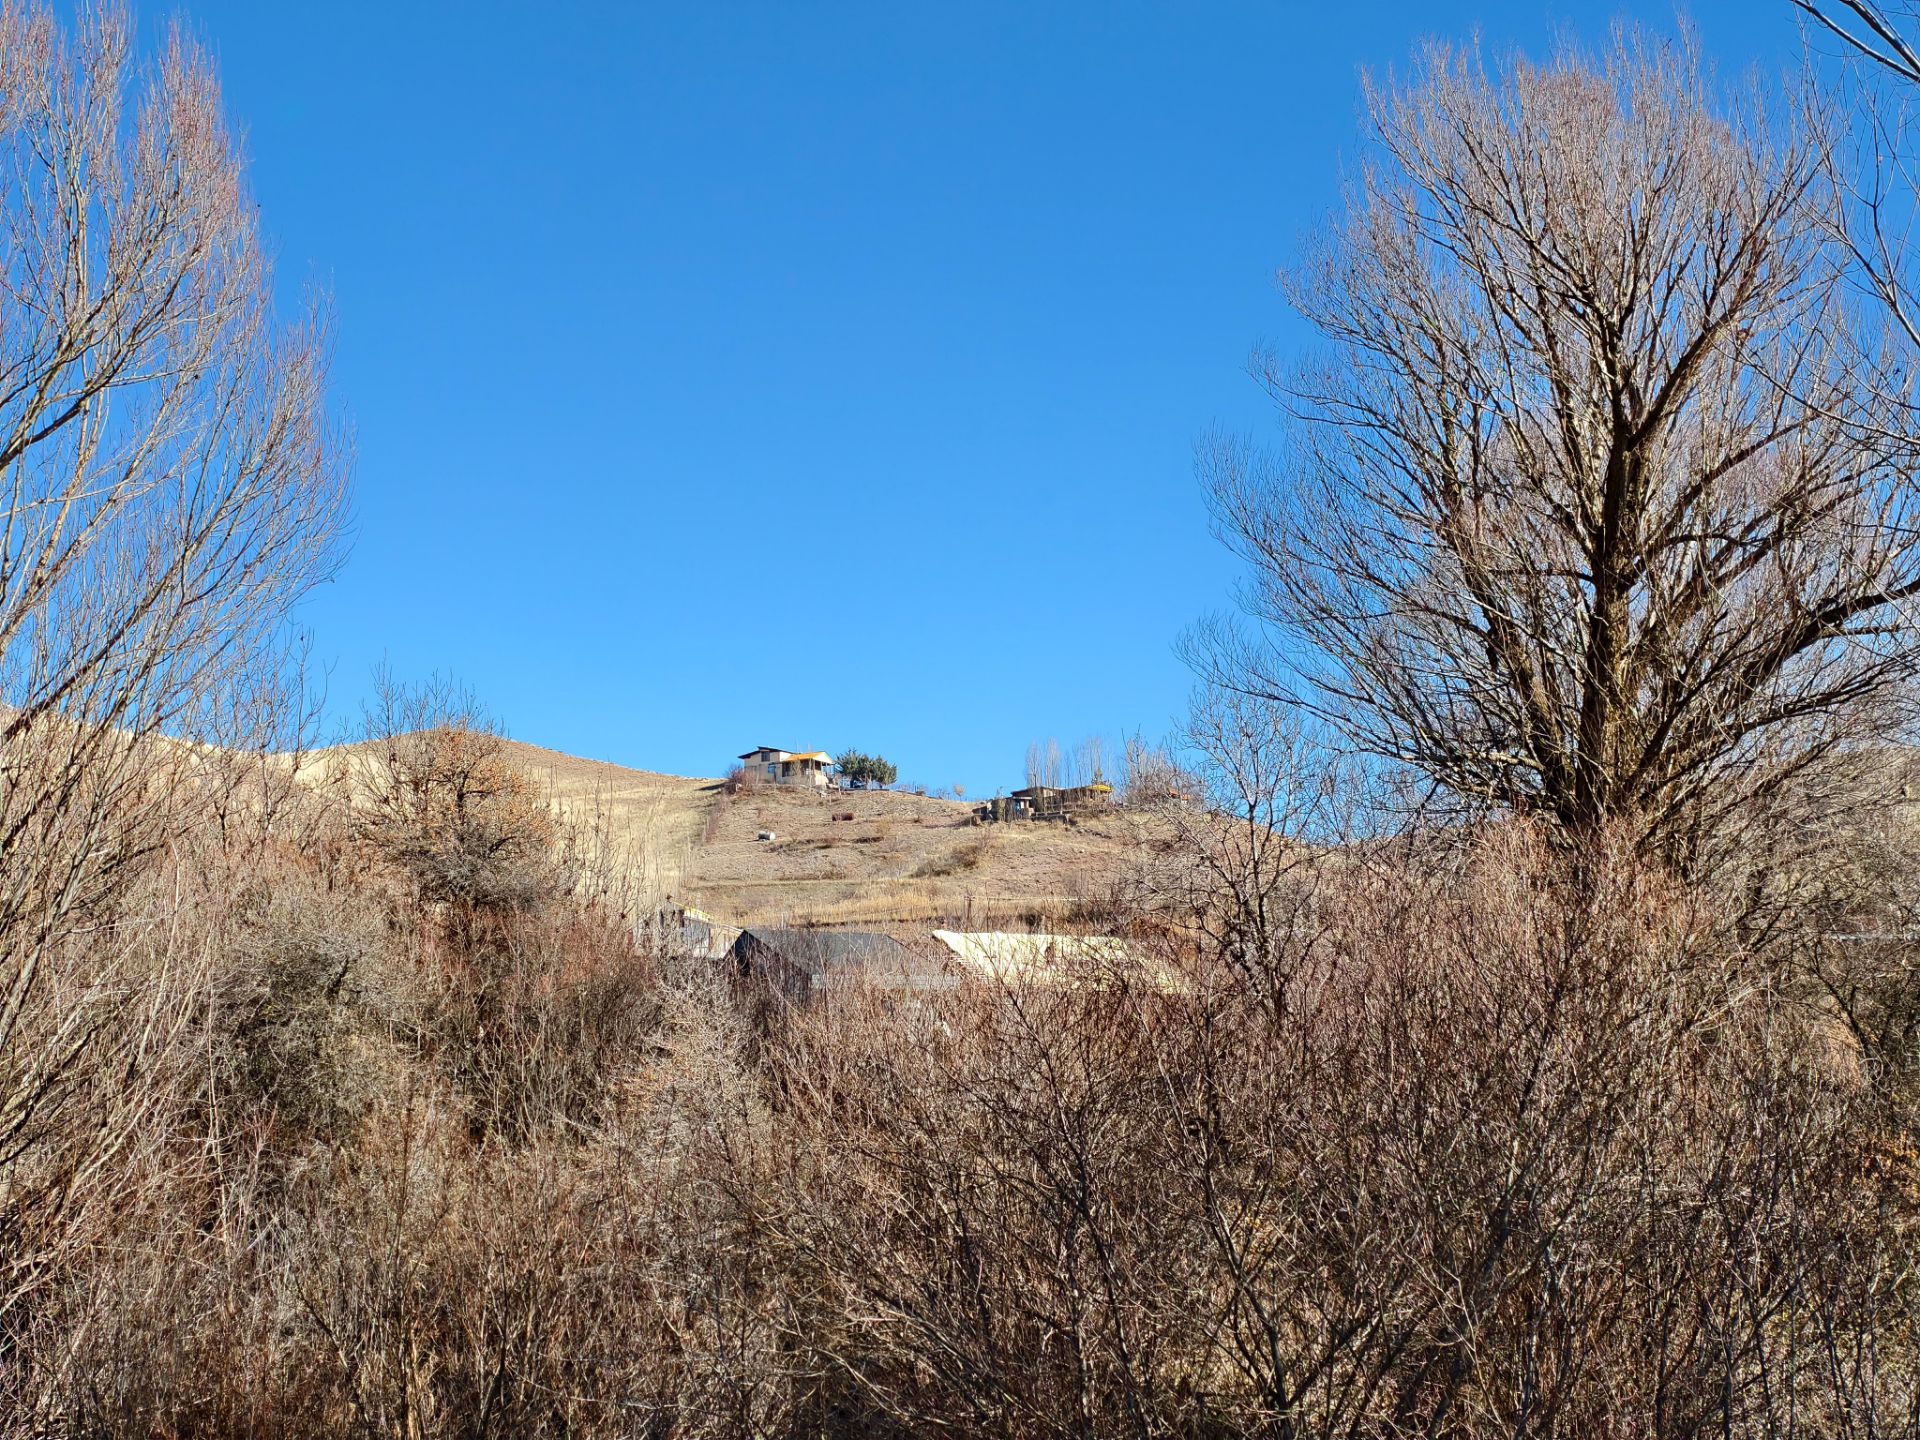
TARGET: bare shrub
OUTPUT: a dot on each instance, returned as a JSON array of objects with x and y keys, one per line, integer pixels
[
  {"x": 1828, "y": 892},
  {"x": 422, "y": 1280},
  {"x": 287, "y": 1008},
  {"x": 434, "y": 791},
  {"x": 1522, "y": 1153},
  {"x": 969, "y": 855},
  {"x": 544, "y": 1022},
  {"x": 1496, "y": 1146},
  {"x": 532, "y": 987}
]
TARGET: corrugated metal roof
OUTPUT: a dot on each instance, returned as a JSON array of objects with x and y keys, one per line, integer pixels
[{"x": 809, "y": 959}]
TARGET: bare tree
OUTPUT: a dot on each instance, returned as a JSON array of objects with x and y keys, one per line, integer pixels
[
  {"x": 170, "y": 482},
  {"x": 1258, "y": 803},
  {"x": 1586, "y": 511},
  {"x": 1879, "y": 34},
  {"x": 1090, "y": 761},
  {"x": 435, "y": 791},
  {"x": 1874, "y": 174},
  {"x": 1046, "y": 766}
]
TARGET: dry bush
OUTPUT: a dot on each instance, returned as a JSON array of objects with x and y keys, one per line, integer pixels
[
  {"x": 527, "y": 984},
  {"x": 374, "y": 1188},
  {"x": 434, "y": 792},
  {"x": 419, "y": 1281},
  {"x": 289, "y": 1002},
  {"x": 540, "y": 1021},
  {"x": 331, "y": 1148},
  {"x": 1484, "y": 1149},
  {"x": 1512, "y": 1155},
  {"x": 969, "y": 855}
]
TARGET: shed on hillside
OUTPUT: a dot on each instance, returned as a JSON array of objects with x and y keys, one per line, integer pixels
[
  {"x": 801, "y": 964},
  {"x": 1046, "y": 802}
]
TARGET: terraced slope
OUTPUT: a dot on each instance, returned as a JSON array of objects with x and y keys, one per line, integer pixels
[{"x": 902, "y": 860}]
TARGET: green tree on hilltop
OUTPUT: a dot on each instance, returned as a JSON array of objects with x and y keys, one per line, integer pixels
[{"x": 865, "y": 769}]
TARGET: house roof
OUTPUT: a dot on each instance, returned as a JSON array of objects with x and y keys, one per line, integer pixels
[
  {"x": 1011, "y": 958},
  {"x": 834, "y": 947},
  {"x": 819, "y": 755},
  {"x": 822, "y": 953},
  {"x": 761, "y": 750}
]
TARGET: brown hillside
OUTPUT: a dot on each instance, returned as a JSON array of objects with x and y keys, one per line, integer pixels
[{"x": 903, "y": 860}]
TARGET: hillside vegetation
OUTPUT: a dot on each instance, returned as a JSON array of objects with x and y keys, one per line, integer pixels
[
  {"x": 1517, "y": 1031},
  {"x": 904, "y": 859}
]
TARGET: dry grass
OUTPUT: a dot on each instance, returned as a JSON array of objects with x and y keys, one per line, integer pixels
[
  {"x": 902, "y": 860},
  {"x": 905, "y": 901},
  {"x": 644, "y": 826}
]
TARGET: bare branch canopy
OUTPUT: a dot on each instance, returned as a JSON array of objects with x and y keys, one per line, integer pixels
[{"x": 1588, "y": 506}]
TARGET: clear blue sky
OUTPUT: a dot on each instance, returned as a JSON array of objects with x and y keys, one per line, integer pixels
[{"x": 806, "y": 374}]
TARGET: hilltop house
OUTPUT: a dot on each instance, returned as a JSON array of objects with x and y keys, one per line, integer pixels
[{"x": 783, "y": 767}]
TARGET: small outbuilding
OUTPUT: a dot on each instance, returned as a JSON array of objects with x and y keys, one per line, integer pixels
[{"x": 1047, "y": 802}]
